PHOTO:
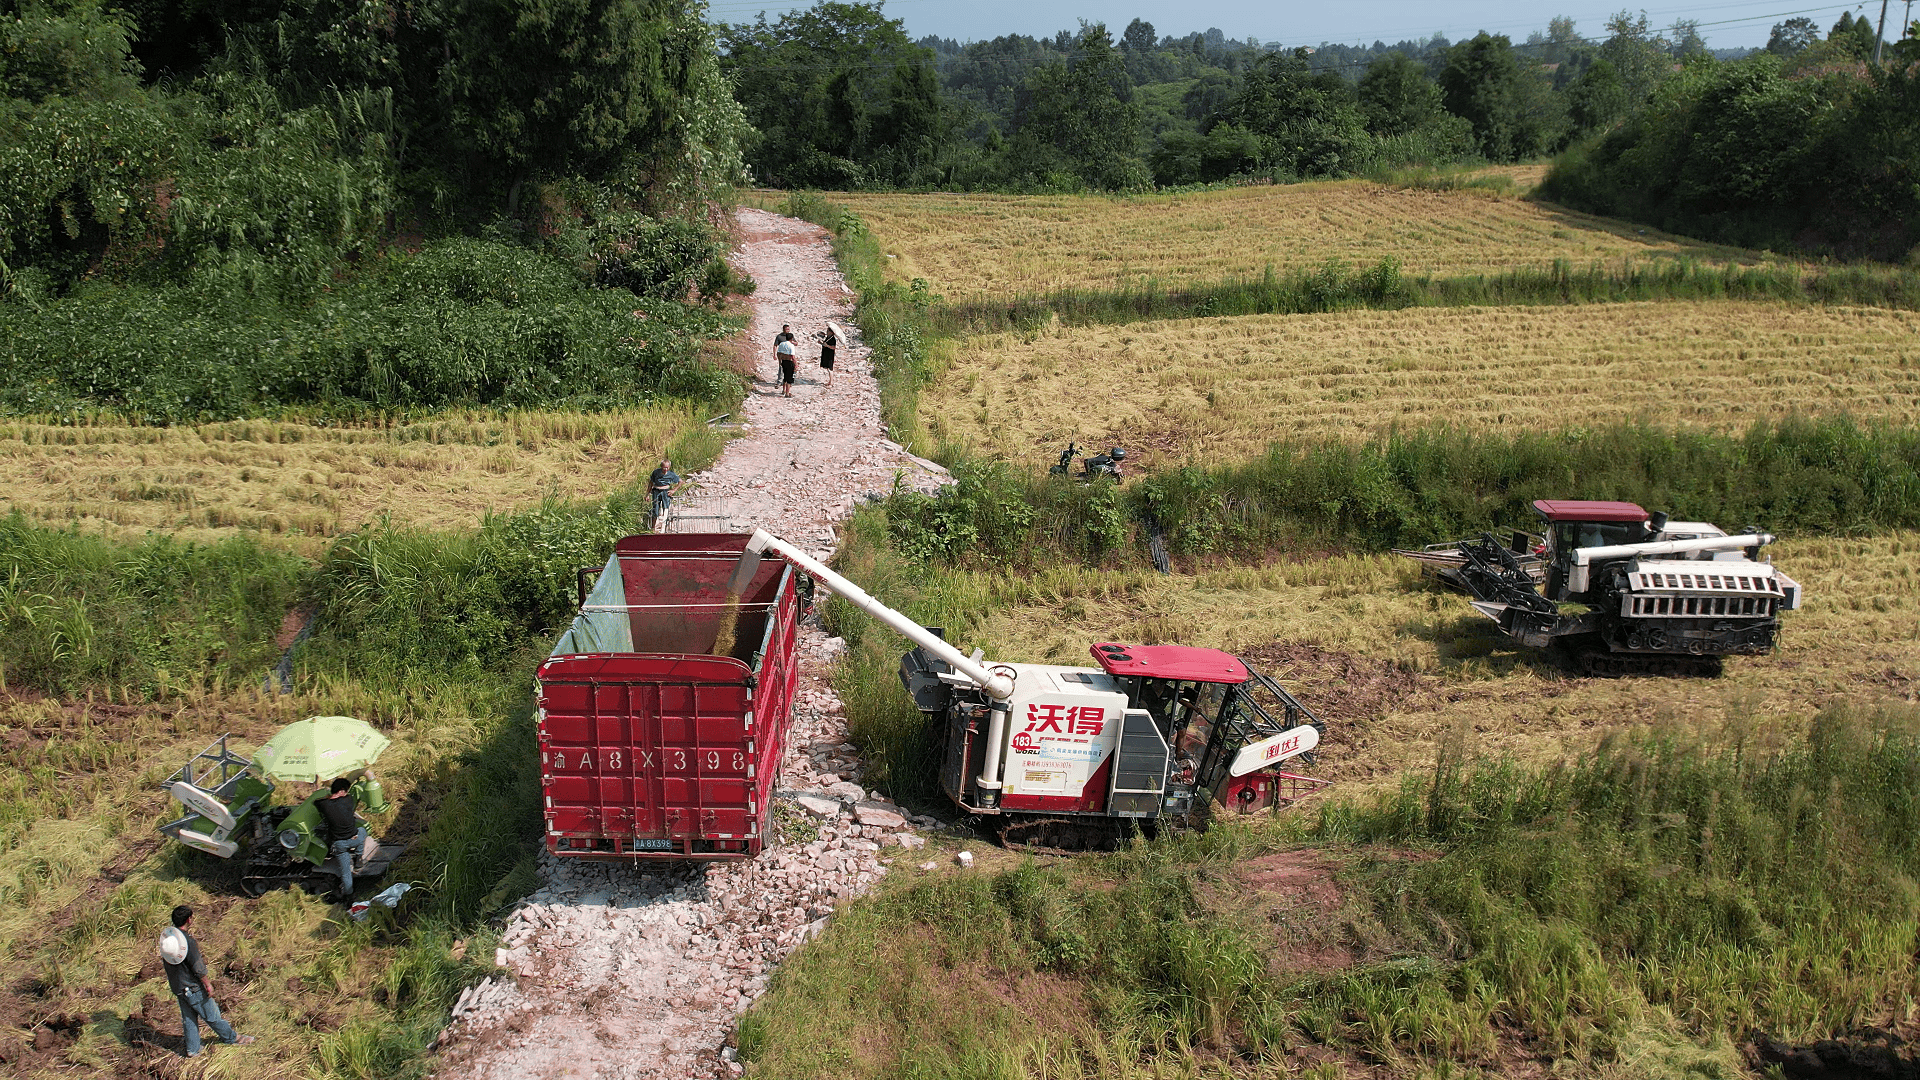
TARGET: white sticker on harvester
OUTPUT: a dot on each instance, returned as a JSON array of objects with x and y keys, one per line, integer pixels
[{"x": 1275, "y": 748}]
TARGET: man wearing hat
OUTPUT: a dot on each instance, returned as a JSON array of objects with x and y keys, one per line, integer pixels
[{"x": 187, "y": 975}]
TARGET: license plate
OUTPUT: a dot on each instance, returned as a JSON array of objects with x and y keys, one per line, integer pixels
[{"x": 653, "y": 845}]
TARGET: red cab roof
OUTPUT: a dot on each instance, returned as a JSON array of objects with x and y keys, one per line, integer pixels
[
  {"x": 1575, "y": 510},
  {"x": 1171, "y": 662}
]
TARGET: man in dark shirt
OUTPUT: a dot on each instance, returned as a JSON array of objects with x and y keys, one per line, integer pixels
[
  {"x": 345, "y": 837},
  {"x": 187, "y": 976},
  {"x": 661, "y": 485}
]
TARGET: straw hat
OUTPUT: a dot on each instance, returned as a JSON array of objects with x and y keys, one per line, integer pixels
[{"x": 173, "y": 945}]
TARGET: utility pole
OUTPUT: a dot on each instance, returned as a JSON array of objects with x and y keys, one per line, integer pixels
[{"x": 1879, "y": 35}]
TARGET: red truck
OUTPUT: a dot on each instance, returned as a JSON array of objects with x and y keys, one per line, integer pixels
[{"x": 652, "y": 746}]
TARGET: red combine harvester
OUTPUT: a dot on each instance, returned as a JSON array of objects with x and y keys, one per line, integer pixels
[
  {"x": 652, "y": 747},
  {"x": 1071, "y": 758}
]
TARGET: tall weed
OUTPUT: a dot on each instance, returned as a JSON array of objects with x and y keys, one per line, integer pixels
[{"x": 77, "y": 610}]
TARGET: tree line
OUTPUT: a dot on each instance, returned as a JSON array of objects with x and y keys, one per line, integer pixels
[
  {"x": 841, "y": 98},
  {"x": 253, "y": 162}
]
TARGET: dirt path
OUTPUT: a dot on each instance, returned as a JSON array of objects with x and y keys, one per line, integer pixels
[
  {"x": 806, "y": 459},
  {"x": 629, "y": 972}
]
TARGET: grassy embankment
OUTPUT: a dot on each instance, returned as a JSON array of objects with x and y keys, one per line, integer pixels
[{"x": 1590, "y": 907}]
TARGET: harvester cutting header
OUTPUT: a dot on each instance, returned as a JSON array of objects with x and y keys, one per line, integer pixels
[{"x": 1629, "y": 592}]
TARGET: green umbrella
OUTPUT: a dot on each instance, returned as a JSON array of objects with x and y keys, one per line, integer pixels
[{"x": 319, "y": 748}]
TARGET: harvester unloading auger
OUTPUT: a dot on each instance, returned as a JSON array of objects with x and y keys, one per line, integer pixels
[
  {"x": 1070, "y": 758},
  {"x": 1643, "y": 595}
]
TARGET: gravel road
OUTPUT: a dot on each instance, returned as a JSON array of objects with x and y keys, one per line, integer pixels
[{"x": 631, "y": 972}]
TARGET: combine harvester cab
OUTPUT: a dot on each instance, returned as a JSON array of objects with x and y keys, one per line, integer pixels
[
  {"x": 1629, "y": 593},
  {"x": 652, "y": 746}
]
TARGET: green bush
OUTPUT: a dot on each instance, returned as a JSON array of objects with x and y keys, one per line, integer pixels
[
  {"x": 409, "y": 600},
  {"x": 648, "y": 256},
  {"x": 463, "y": 322}
]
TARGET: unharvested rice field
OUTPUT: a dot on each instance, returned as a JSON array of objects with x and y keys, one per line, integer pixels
[
  {"x": 304, "y": 482},
  {"x": 1211, "y": 390},
  {"x": 972, "y": 246},
  {"x": 1395, "y": 665}
]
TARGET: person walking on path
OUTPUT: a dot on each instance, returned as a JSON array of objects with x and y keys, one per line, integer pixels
[
  {"x": 187, "y": 976},
  {"x": 827, "y": 344},
  {"x": 345, "y": 835},
  {"x": 661, "y": 485},
  {"x": 784, "y": 353}
]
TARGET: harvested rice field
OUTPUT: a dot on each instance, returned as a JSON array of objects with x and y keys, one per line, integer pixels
[
  {"x": 303, "y": 482},
  {"x": 972, "y": 246},
  {"x": 1395, "y": 665},
  {"x": 1212, "y": 390}
]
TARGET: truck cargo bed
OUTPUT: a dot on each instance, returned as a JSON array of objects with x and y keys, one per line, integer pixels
[{"x": 650, "y": 746}]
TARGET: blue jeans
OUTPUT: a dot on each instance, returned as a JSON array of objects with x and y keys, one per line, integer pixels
[
  {"x": 343, "y": 852},
  {"x": 196, "y": 1006},
  {"x": 661, "y": 500}
]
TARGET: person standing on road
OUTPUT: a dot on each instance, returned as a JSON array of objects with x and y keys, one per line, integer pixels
[
  {"x": 661, "y": 484},
  {"x": 827, "y": 345},
  {"x": 784, "y": 353},
  {"x": 187, "y": 976},
  {"x": 345, "y": 836}
]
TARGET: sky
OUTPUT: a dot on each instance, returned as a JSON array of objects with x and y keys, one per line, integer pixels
[{"x": 1723, "y": 23}]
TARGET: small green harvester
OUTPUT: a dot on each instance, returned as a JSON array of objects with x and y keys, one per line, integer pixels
[{"x": 228, "y": 801}]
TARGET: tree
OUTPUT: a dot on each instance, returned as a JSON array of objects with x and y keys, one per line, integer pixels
[
  {"x": 1640, "y": 57},
  {"x": 549, "y": 88},
  {"x": 1397, "y": 95},
  {"x": 1852, "y": 37},
  {"x": 1311, "y": 122},
  {"x": 1208, "y": 94},
  {"x": 1078, "y": 119},
  {"x": 840, "y": 96},
  {"x": 1560, "y": 41},
  {"x": 1513, "y": 110},
  {"x": 1139, "y": 37},
  {"x": 1597, "y": 98},
  {"x": 1792, "y": 37},
  {"x": 1684, "y": 40}
]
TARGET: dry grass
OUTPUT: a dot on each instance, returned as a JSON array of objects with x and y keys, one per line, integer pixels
[
  {"x": 970, "y": 246},
  {"x": 307, "y": 482},
  {"x": 1397, "y": 665},
  {"x": 1219, "y": 389}
]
